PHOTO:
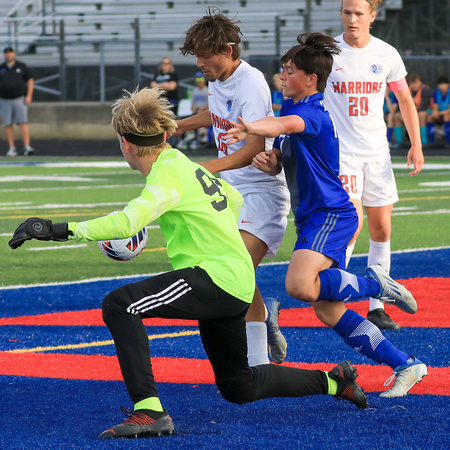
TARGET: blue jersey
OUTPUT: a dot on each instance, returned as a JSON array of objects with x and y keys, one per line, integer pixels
[
  {"x": 443, "y": 101},
  {"x": 393, "y": 100},
  {"x": 311, "y": 161},
  {"x": 277, "y": 99}
]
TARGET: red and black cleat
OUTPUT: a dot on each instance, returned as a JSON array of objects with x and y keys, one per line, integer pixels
[
  {"x": 141, "y": 424},
  {"x": 348, "y": 389}
]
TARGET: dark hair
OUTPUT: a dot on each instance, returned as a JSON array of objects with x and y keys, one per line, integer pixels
[
  {"x": 211, "y": 34},
  {"x": 313, "y": 54},
  {"x": 442, "y": 79},
  {"x": 414, "y": 77}
]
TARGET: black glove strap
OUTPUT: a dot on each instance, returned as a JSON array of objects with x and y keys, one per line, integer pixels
[{"x": 61, "y": 231}]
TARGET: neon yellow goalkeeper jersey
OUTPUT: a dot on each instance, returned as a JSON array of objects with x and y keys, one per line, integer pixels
[{"x": 197, "y": 214}]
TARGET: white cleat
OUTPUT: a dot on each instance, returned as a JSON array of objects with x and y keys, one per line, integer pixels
[
  {"x": 405, "y": 378},
  {"x": 275, "y": 339},
  {"x": 392, "y": 292}
]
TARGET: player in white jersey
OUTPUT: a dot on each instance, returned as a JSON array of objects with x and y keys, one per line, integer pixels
[
  {"x": 354, "y": 96},
  {"x": 237, "y": 89}
]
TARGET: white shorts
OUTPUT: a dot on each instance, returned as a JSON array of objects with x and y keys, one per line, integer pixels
[
  {"x": 264, "y": 214},
  {"x": 372, "y": 183}
]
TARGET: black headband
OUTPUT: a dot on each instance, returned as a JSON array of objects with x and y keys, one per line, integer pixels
[{"x": 144, "y": 140}]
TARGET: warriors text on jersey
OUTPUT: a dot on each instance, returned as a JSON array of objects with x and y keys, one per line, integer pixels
[
  {"x": 197, "y": 214},
  {"x": 245, "y": 93},
  {"x": 355, "y": 95}
]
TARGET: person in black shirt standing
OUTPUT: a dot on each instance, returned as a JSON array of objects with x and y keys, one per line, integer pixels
[
  {"x": 167, "y": 79},
  {"x": 16, "y": 93}
]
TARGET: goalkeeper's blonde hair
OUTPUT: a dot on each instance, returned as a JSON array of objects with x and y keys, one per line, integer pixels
[{"x": 144, "y": 112}]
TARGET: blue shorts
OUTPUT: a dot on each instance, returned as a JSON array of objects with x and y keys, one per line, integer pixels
[
  {"x": 328, "y": 233},
  {"x": 14, "y": 108}
]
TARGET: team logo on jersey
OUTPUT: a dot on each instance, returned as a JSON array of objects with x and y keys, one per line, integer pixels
[
  {"x": 229, "y": 104},
  {"x": 376, "y": 68}
]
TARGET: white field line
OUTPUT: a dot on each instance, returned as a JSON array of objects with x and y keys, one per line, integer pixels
[
  {"x": 93, "y": 280},
  {"x": 59, "y": 247},
  {"x": 364, "y": 255},
  {"x": 435, "y": 183},
  {"x": 120, "y": 164},
  {"x": 114, "y": 186},
  {"x": 101, "y": 164},
  {"x": 21, "y": 178},
  {"x": 408, "y": 213},
  {"x": 62, "y": 205},
  {"x": 149, "y": 227},
  {"x": 406, "y": 174},
  {"x": 15, "y": 204},
  {"x": 421, "y": 213},
  {"x": 72, "y": 188},
  {"x": 426, "y": 166}
]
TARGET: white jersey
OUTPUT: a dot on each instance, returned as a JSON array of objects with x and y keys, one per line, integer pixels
[
  {"x": 245, "y": 93},
  {"x": 355, "y": 95}
]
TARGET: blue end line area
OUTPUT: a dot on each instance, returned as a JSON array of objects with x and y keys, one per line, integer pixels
[{"x": 43, "y": 413}]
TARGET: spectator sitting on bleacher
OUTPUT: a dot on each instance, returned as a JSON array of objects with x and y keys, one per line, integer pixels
[
  {"x": 394, "y": 119},
  {"x": 441, "y": 110},
  {"x": 277, "y": 95},
  {"x": 423, "y": 97},
  {"x": 200, "y": 103}
]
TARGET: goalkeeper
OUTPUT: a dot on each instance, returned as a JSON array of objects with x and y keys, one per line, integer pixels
[{"x": 213, "y": 278}]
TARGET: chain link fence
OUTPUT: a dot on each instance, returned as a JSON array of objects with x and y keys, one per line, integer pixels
[{"x": 104, "y": 80}]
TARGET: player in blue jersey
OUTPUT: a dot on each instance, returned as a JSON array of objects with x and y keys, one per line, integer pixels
[{"x": 307, "y": 146}]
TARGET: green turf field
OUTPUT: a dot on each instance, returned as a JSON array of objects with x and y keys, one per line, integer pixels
[{"x": 76, "y": 189}]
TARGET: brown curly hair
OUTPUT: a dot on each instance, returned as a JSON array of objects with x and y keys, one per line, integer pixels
[{"x": 211, "y": 35}]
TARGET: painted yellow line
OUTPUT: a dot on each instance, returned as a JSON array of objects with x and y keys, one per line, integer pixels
[
  {"x": 440, "y": 197},
  {"x": 154, "y": 249},
  {"x": 98, "y": 343}
]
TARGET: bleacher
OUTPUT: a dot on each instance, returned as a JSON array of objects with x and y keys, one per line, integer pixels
[{"x": 91, "y": 29}]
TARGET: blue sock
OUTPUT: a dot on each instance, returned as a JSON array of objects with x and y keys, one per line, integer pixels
[
  {"x": 390, "y": 132},
  {"x": 367, "y": 339},
  {"x": 398, "y": 132},
  {"x": 447, "y": 131},
  {"x": 337, "y": 285},
  {"x": 431, "y": 129},
  {"x": 424, "y": 135}
]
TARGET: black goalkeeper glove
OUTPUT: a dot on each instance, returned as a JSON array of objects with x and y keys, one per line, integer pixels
[{"x": 42, "y": 229}]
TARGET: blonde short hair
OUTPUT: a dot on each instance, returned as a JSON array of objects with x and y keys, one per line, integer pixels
[
  {"x": 144, "y": 112},
  {"x": 373, "y": 4}
]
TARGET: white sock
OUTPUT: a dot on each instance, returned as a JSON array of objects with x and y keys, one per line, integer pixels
[
  {"x": 379, "y": 253},
  {"x": 348, "y": 253},
  {"x": 257, "y": 352}
]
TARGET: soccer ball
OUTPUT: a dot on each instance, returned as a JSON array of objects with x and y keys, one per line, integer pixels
[{"x": 125, "y": 249}]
